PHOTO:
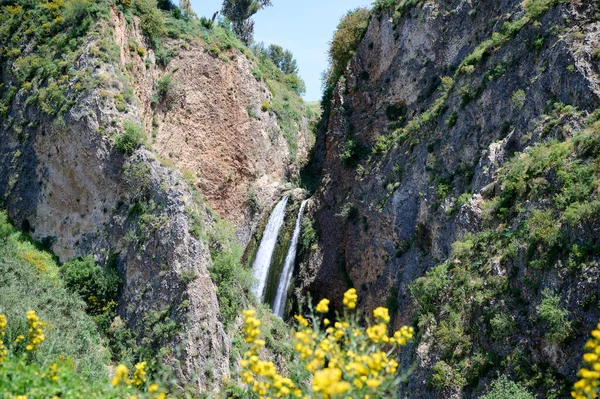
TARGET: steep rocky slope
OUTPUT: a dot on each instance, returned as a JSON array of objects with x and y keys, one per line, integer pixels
[
  {"x": 444, "y": 107},
  {"x": 79, "y": 77}
]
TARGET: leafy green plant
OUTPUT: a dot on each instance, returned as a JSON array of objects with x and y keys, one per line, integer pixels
[
  {"x": 503, "y": 388},
  {"x": 346, "y": 39},
  {"x": 131, "y": 139},
  {"x": 554, "y": 317},
  {"x": 518, "y": 99}
]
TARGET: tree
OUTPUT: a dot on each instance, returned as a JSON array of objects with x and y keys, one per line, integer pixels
[
  {"x": 283, "y": 59},
  {"x": 186, "y": 8},
  {"x": 240, "y": 13}
]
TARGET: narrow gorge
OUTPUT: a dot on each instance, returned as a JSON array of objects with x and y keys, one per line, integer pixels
[{"x": 170, "y": 203}]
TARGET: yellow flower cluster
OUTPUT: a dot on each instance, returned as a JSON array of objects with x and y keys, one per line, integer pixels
[
  {"x": 344, "y": 359},
  {"x": 36, "y": 337},
  {"x": 323, "y": 306},
  {"x": 36, "y": 333},
  {"x": 139, "y": 375},
  {"x": 121, "y": 375},
  {"x": 350, "y": 298},
  {"x": 3, "y": 350},
  {"x": 587, "y": 386},
  {"x": 261, "y": 374}
]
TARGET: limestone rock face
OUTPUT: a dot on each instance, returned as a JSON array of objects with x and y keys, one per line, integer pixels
[
  {"x": 395, "y": 216},
  {"x": 63, "y": 180}
]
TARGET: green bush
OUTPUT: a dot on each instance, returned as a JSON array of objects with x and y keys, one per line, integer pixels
[
  {"x": 346, "y": 39},
  {"x": 99, "y": 287},
  {"x": 554, "y": 317},
  {"x": 503, "y": 388},
  {"x": 308, "y": 234},
  {"x": 234, "y": 281},
  {"x": 518, "y": 99},
  {"x": 131, "y": 139},
  {"x": 503, "y": 326},
  {"x": 151, "y": 19}
]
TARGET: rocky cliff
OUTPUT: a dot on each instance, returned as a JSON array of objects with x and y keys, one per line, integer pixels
[
  {"x": 452, "y": 140},
  {"x": 82, "y": 87}
]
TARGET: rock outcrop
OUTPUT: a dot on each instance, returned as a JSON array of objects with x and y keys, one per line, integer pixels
[{"x": 441, "y": 95}]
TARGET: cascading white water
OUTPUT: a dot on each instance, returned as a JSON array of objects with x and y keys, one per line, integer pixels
[
  {"x": 288, "y": 267},
  {"x": 262, "y": 261}
]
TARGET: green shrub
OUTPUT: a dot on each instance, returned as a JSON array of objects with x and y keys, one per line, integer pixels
[
  {"x": 308, "y": 234},
  {"x": 554, "y": 317},
  {"x": 151, "y": 19},
  {"x": 96, "y": 285},
  {"x": 518, "y": 99},
  {"x": 543, "y": 227},
  {"x": 353, "y": 152},
  {"x": 503, "y": 388},
  {"x": 503, "y": 326},
  {"x": 187, "y": 276},
  {"x": 427, "y": 290},
  {"x": 463, "y": 199},
  {"x": 131, "y": 139},
  {"x": 346, "y": 39}
]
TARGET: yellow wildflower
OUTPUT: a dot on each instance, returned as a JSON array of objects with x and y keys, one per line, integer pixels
[
  {"x": 382, "y": 314},
  {"x": 121, "y": 373},
  {"x": 301, "y": 320},
  {"x": 36, "y": 334},
  {"x": 377, "y": 333},
  {"x": 139, "y": 375},
  {"x": 323, "y": 306},
  {"x": 588, "y": 385},
  {"x": 350, "y": 298}
]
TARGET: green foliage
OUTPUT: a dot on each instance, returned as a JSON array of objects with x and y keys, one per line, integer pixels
[
  {"x": 240, "y": 13},
  {"x": 167, "y": 89},
  {"x": 463, "y": 199},
  {"x": 187, "y": 276},
  {"x": 400, "y": 7},
  {"x": 151, "y": 19},
  {"x": 30, "y": 280},
  {"x": 138, "y": 179},
  {"x": 309, "y": 236},
  {"x": 541, "y": 220},
  {"x": 353, "y": 152},
  {"x": 234, "y": 281},
  {"x": 503, "y": 388},
  {"x": 503, "y": 326},
  {"x": 53, "y": 35},
  {"x": 543, "y": 228},
  {"x": 554, "y": 317},
  {"x": 518, "y": 99},
  {"x": 97, "y": 286},
  {"x": 283, "y": 59},
  {"x": 346, "y": 39},
  {"x": 426, "y": 290},
  {"x": 131, "y": 139}
]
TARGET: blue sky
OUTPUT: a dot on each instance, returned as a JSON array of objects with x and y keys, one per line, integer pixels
[{"x": 305, "y": 27}]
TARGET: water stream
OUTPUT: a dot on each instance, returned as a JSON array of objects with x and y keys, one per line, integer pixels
[
  {"x": 262, "y": 261},
  {"x": 288, "y": 267}
]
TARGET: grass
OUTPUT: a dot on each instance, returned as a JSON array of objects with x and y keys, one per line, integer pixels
[{"x": 30, "y": 281}]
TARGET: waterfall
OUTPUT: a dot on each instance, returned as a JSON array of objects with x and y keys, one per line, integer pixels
[
  {"x": 262, "y": 261},
  {"x": 288, "y": 267}
]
